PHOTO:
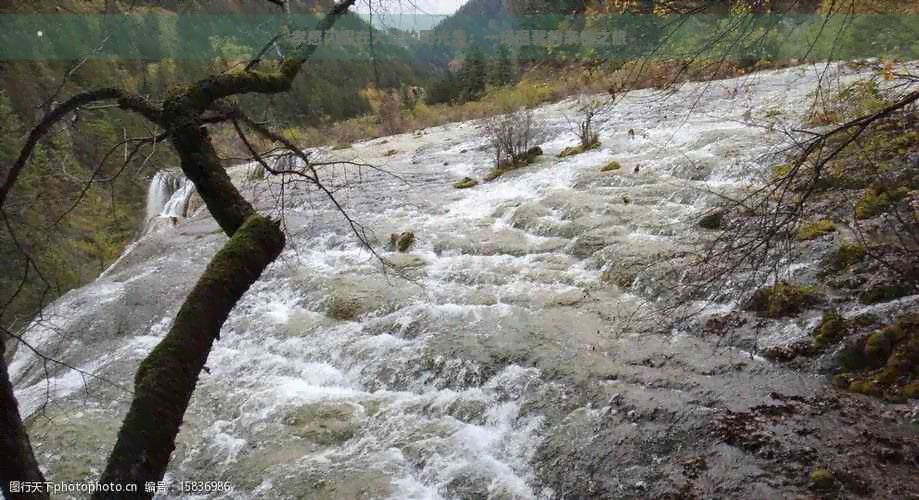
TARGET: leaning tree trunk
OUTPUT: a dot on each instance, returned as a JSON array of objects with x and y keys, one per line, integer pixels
[
  {"x": 167, "y": 378},
  {"x": 17, "y": 463}
]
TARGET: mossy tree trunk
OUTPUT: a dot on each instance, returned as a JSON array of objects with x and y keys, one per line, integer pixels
[
  {"x": 166, "y": 379},
  {"x": 202, "y": 166},
  {"x": 17, "y": 462}
]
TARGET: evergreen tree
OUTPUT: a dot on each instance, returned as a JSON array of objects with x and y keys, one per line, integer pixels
[
  {"x": 475, "y": 74},
  {"x": 445, "y": 90},
  {"x": 504, "y": 71}
]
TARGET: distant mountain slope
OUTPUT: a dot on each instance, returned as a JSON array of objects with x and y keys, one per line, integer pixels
[
  {"x": 94, "y": 233},
  {"x": 474, "y": 19}
]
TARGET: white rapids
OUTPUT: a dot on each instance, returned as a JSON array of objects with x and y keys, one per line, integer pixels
[{"x": 431, "y": 389}]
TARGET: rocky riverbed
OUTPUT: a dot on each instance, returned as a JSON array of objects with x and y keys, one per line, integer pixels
[{"x": 521, "y": 347}]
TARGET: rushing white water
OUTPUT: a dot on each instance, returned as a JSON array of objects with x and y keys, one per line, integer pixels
[
  {"x": 168, "y": 194},
  {"x": 435, "y": 393}
]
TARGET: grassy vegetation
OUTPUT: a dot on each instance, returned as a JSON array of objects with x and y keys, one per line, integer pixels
[{"x": 816, "y": 229}]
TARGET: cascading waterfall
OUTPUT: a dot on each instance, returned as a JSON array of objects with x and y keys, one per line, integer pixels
[
  {"x": 168, "y": 195},
  {"x": 509, "y": 360}
]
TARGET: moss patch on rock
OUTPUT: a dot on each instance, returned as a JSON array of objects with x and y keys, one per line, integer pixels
[
  {"x": 781, "y": 170},
  {"x": 518, "y": 161},
  {"x": 888, "y": 367},
  {"x": 712, "y": 220},
  {"x": 815, "y": 230},
  {"x": 465, "y": 182},
  {"x": 843, "y": 257},
  {"x": 878, "y": 200},
  {"x": 883, "y": 292},
  {"x": 822, "y": 479},
  {"x": 831, "y": 329},
  {"x": 612, "y": 165},
  {"x": 580, "y": 148},
  {"x": 352, "y": 296},
  {"x": 326, "y": 424},
  {"x": 782, "y": 299}
]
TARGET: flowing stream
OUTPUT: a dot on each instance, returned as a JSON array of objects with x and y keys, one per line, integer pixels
[
  {"x": 167, "y": 195},
  {"x": 443, "y": 375}
]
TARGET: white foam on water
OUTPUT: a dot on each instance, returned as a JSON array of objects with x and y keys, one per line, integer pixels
[{"x": 278, "y": 351}]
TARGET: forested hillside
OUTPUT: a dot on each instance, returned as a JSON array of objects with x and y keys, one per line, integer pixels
[
  {"x": 675, "y": 36},
  {"x": 57, "y": 243}
]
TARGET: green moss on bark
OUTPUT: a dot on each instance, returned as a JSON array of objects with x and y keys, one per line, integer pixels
[
  {"x": 166, "y": 379},
  {"x": 202, "y": 166}
]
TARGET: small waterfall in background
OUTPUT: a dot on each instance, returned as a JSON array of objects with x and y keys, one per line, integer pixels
[
  {"x": 169, "y": 192},
  {"x": 514, "y": 360},
  {"x": 168, "y": 196}
]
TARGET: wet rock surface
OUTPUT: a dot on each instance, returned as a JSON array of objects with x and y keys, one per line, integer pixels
[
  {"x": 726, "y": 427},
  {"x": 527, "y": 347}
]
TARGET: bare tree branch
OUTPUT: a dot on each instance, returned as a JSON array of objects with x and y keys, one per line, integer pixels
[
  {"x": 125, "y": 101},
  {"x": 246, "y": 81}
]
